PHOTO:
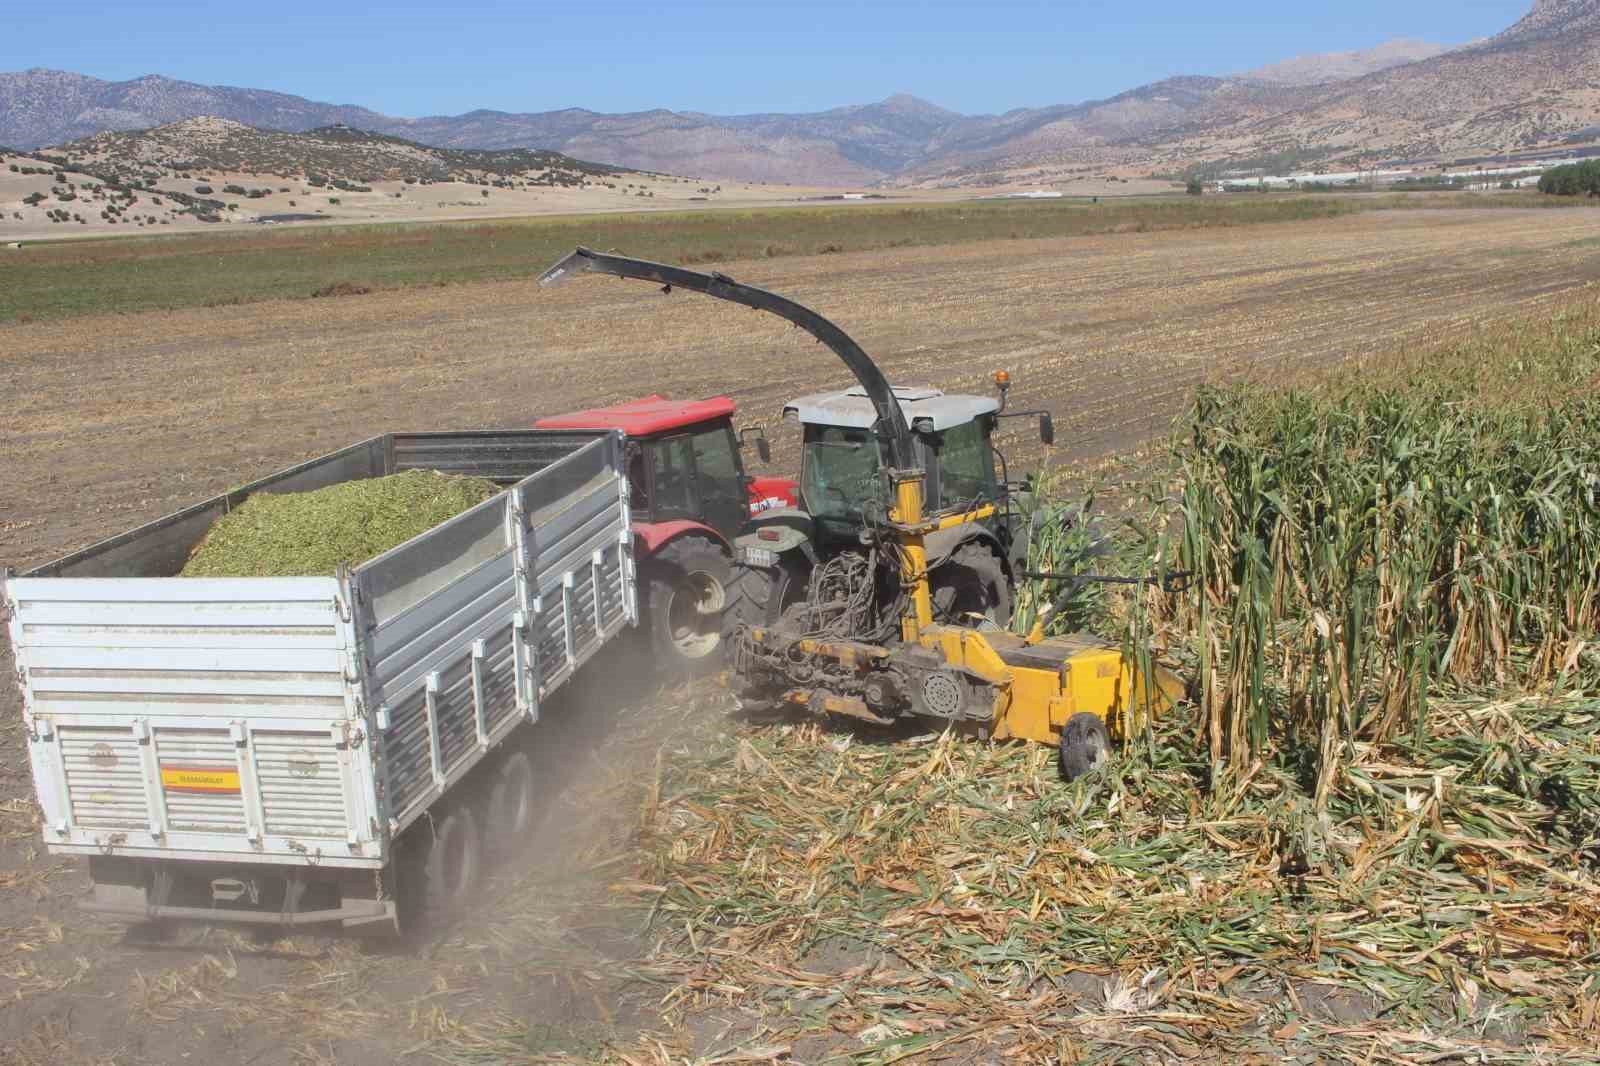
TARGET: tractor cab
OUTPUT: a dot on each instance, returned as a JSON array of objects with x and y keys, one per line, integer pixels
[
  {"x": 840, "y": 483},
  {"x": 689, "y": 499},
  {"x": 685, "y": 462}
]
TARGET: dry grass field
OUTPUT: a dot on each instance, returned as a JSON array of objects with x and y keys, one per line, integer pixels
[
  {"x": 66, "y": 279},
  {"x": 118, "y": 419}
]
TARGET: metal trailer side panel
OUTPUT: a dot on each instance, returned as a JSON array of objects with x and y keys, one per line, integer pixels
[
  {"x": 506, "y": 456},
  {"x": 579, "y": 582},
  {"x": 444, "y": 621},
  {"x": 195, "y": 719}
]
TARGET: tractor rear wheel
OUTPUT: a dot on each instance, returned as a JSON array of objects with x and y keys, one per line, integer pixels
[
  {"x": 971, "y": 584},
  {"x": 1085, "y": 745},
  {"x": 686, "y": 593}
]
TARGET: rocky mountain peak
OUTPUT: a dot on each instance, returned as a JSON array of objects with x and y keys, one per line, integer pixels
[{"x": 1550, "y": 18}]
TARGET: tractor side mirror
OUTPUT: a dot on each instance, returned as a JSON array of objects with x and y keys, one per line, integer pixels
[
  {"x": 1047, "y": 429},
  {"x": 763, "y": 449}
]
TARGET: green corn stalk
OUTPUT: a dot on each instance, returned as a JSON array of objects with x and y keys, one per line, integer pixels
[
  {"x": 1062, "y": 539},
  {"x": 1357, "y": 548}
]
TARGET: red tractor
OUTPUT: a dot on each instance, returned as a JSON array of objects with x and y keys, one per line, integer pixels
[{"x": 690, "y": 498}]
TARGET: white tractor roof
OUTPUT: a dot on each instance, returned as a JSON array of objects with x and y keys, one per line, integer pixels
[{"x": 851, "y": 408}]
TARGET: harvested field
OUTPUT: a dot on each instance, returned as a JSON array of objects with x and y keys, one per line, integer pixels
[
  {"x": 1110, "y": 332},
  {"x": 708, "y": 890},
  {"x": 64, "y": 279}
]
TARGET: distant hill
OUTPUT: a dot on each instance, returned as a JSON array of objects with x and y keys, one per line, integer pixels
[
  {"x": 854, "y": 145},
  {"x": 1532, "y": 85},
  {"x": 1537, "y": 83},
  {"x": 209, "y": 143},
  {"x": 1341, "y": 66},
  {"x": 204, "y": 173},
  {"x": 46, "y": 107}
]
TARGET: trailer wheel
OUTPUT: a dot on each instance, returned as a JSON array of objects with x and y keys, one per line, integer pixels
[
  {"x": 454, "y": 864},
  {"x": 686, "y": 595},
  {"x": 1085, "y": 745},
  {"x": 511, "y": 801}
]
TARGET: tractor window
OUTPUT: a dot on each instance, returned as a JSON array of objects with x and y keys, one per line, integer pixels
[
  {"x": 724, "y": 501},
  {"x": 966, "y": 465},
  {"x": 839, "y": 473},
  {"x": 673, "y": 462},
  {"x": 713, "y": 455},
  {"x": 638, "y": 486}
]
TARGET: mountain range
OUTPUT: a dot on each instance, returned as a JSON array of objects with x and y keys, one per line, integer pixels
[{"x": 1536, "y": 83}]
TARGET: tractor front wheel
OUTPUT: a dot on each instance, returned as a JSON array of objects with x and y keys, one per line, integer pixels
[
  {"x": 971, "y": 586},
  {"x": 757, "y": 596},
  {"x": 686, "y": 593}
]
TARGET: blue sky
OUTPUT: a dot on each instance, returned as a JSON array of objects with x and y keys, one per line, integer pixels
[{"x": 411, "y": 58}]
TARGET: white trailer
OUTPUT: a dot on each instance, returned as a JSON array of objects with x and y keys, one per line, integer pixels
[{"x": 256, "y": 749}]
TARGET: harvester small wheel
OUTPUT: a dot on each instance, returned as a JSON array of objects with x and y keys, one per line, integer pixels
[
  {"x": 971, "y": 584},
  {"x": 454, "y": 863},
  {"x": 685, "y": 596},
  {"x": 1085, "y": 745},
  {"x": 511, "y": 802}
]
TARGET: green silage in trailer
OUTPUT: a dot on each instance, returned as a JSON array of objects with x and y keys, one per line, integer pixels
[{"x": 308, "y": 534}]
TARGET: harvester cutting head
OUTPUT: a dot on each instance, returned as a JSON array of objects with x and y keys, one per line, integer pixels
[{"x": 869, "y": 640}]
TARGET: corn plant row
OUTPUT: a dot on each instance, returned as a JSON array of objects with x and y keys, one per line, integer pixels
[
  {"x": 1356, "y": 548},
  {"x": 1062, "y": 539}
]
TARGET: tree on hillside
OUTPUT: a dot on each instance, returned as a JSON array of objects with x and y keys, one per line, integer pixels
[
  {"x": 1195, "y": 188},
  {"x": 1574, "y": 179}
]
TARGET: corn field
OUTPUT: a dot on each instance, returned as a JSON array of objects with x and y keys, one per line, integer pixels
[
  {"x": 1062, "y": 539},
  {"x": 1430, "y": 524}
]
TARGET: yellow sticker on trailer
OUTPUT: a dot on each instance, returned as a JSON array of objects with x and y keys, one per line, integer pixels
[{"x": 207, "y": 780}]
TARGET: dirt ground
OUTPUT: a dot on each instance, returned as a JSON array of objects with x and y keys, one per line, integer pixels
[{"x": 117, "y": 420}]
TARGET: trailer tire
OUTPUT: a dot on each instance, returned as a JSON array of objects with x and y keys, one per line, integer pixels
[
  {"x": 511, "y": 808},
  {"x": 971, "y": 582},
  {"x": 686, "y": 595},
  {"x": 454, "y": 864},
  {"x": 1085, "y": 745}
]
